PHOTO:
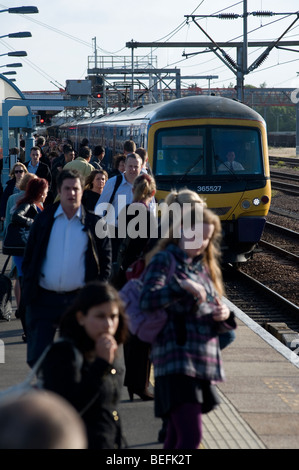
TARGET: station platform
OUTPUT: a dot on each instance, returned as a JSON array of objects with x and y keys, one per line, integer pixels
[{"x": 259, "y": 399}]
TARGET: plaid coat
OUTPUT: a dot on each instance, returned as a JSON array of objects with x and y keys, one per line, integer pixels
[{"x": 188, "y": 344}]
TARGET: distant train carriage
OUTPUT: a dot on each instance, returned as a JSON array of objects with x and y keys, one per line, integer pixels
[
  {"x": 187, "y": 141},
  {"x": 282, "y": 139}
]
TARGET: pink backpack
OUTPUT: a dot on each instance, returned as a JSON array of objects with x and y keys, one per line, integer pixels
[{"x": 145, "y": 324}]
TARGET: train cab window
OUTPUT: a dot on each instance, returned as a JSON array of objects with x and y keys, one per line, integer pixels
[
  {"x": 180, "y": 151},
  {"x": 236, "y": 151}
]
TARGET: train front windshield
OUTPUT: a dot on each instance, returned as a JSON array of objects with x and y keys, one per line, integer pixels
[{"x": 208, "y": 150}]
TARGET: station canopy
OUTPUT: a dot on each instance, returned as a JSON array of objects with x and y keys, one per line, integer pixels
[{"x": 8, "y": 91}]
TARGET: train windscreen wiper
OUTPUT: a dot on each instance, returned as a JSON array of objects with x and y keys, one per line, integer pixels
[
  {"x": 231, "y": 170},
  {"x": 191, "y": 168}
]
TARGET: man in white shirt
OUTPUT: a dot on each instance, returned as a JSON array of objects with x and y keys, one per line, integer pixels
[
  {"x": 62, "y": 254},
  {"x": 133, "y": 166},
  {"x": 38, "y": 168},
  {"x": 111, "y": 203},
  {"x": 230, "y": 164}
]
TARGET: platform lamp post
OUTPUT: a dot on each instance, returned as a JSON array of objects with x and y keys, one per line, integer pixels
[
  {"x": 21, "y": 34},
  {"x": 14, "y": 65},
  {"x": 9, "y": 72},
  {"x": 21, "y": 10},
  {"x": 15, "y": 54}
]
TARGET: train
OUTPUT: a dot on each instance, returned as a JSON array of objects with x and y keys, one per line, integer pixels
[
  {"x": 282, "y": 139},
  {"x": 187, "y": 140}
]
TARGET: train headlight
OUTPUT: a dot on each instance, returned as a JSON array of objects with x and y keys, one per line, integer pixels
[
  {"x": 245, "y": 204},
  {"x": 256, "y": 201},
  {"x": 265, "y": 199}
]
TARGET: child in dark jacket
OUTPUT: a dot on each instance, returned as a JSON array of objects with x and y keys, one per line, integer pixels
[{"x": 83, "y": 365}]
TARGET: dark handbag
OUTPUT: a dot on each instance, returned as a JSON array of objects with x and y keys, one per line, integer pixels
[{"x": 15, "y": 240}]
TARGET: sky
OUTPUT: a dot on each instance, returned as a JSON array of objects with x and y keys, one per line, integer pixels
[{"x": 64, "y": 34}]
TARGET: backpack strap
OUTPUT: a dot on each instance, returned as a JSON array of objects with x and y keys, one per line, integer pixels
[{"x": 116, "y": 186}]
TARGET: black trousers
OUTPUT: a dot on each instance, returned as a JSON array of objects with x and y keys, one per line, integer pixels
[
  {"x": 137, "y": 362},
  {"x": 43, "y": 316}
]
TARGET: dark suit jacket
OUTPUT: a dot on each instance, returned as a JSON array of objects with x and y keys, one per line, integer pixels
[
  {"x": 43, "y": 171},
  {"x": 98, "y": 257}
]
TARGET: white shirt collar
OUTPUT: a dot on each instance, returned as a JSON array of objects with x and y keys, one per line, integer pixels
[
  {"x": 59, "y": 211},
  {"x": 32, "y": 166},
  {"x": 125, "y": 181}
]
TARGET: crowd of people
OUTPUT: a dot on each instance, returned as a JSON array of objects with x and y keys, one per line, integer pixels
[{"x": 68, "y": 278}]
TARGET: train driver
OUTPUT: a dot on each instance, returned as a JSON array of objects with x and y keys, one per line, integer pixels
[{"x": 230, "y": 164}]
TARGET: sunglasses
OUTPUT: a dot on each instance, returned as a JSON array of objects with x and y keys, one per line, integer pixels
[{"x": 19, "y": 171}]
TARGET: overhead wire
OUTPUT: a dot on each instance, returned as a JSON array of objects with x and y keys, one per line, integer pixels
[
  {"x": 85, "y": 43},
  {"x": 251, "y": 31},
  {"x": 31, "y": 64},
  {"x": 172, "y": 33}
]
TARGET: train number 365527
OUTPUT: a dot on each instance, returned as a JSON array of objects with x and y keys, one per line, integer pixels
[{"x": 208, "y": 189}]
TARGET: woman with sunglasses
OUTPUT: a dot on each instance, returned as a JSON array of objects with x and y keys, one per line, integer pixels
[{"x": 12, "y": 186}]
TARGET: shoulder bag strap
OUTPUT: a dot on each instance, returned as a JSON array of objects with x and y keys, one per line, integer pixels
[
  {"x": 116, "y": 186},
  {"x": 5, "y": 265}
]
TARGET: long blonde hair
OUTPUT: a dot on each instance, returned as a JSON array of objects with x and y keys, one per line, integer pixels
[{"x": 211, "y": 255}]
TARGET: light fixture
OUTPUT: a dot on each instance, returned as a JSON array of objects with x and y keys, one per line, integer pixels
[
  {"x": 14, "y": 65},
  {"x": 21, "y": 10},
  {"x": 10, "y": 72},
  {"x": 22, "y": 34},
  {"x": 15, "y": 54},
  {"x": 245, "y": 204}
]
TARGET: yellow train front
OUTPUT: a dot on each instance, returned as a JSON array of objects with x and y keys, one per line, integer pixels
[
  {"x": 218, "y": 148},
  {"x": 190, "y": 143}
]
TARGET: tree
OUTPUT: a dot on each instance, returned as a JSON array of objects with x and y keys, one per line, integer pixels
[{"x": 279, "y": 118}]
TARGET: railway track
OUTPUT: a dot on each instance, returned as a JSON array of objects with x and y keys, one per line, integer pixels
[
  {"x": 284, "y": 181},
  {"x": 281, "y": 251},
  {"x": 263, "y": 287},
  {"x": 291, "y": 189},
  {"x": 285, "y": 176},
  {"x": 281, "y": 240},
  {"x": 291, "y": 162},
  {"x": 263, "y": 305}
]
